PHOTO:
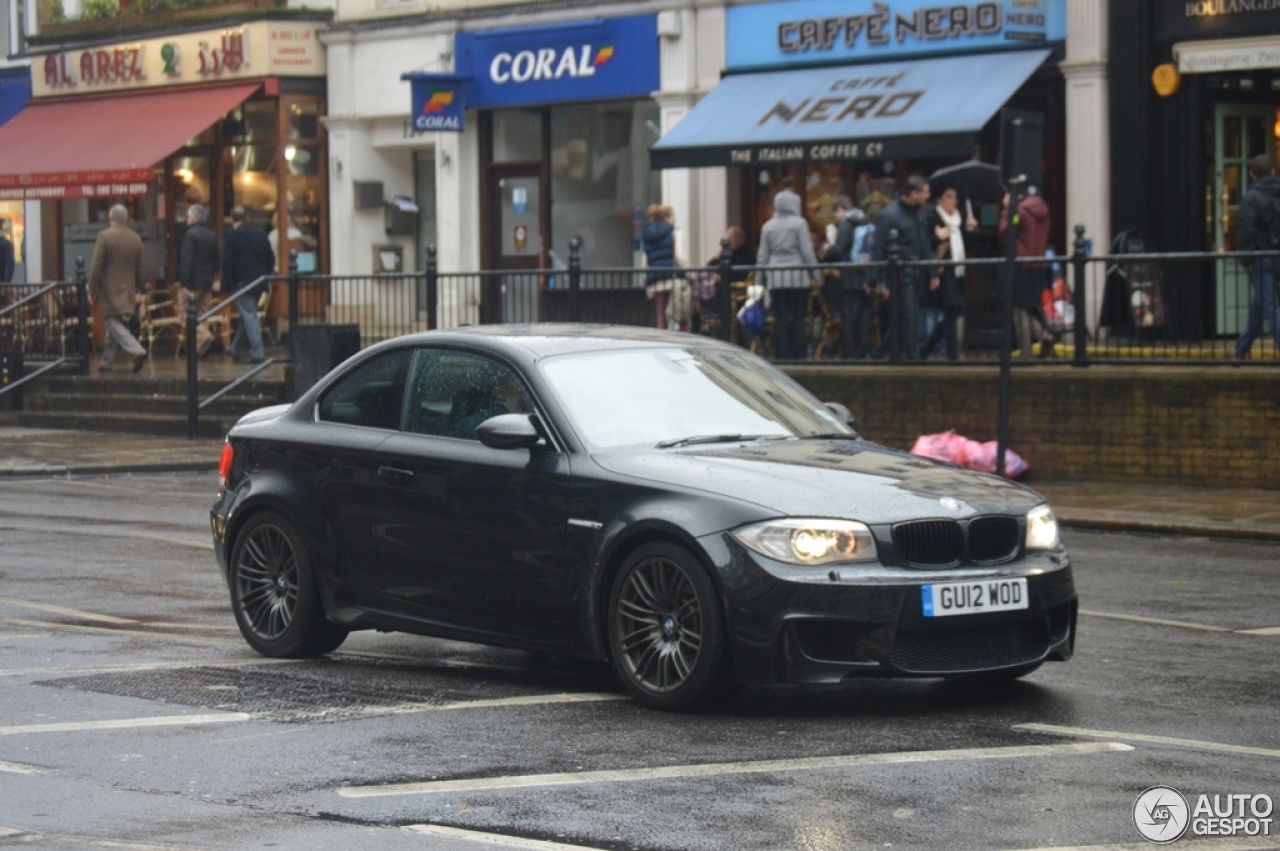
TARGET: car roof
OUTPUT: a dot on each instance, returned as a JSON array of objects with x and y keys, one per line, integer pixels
[{"x": 546, "y": 339}]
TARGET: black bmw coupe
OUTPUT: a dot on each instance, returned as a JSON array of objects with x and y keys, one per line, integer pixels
[{"x": 666, "y": 502}]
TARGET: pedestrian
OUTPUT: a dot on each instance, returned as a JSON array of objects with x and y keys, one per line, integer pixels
[
  {"x": 1259, "y": 230},
  {"x": 907, "y": 216},
  {"x": 246, "y": 257},
  {"x": 1030, "y": 281},
  {"x": 6, "y": 254},
  {"x": 197, "y": 267},
  {"x": 115, "y": 281},
  {"x": 948, "y": 226},
  {"x": 856, "y": 304},
  {"x": 785, "y": 241},
  {"x": 741, "y": 254},
  {"x": 673, "y": 306}
]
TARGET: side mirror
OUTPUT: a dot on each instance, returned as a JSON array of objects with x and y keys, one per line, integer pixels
[
  {"x": 842, "y": 413},
  {"x": 509, "y": 431}
]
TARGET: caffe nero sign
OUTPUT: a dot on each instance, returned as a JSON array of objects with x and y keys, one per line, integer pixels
[
  {"x": 1187, "y": 19},
  {"x": 811, "y": 32}
]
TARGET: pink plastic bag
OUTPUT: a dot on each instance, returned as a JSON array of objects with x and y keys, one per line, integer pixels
[
  {"x": 946, "y": 446},
  {"x": 959, "y": 450}
]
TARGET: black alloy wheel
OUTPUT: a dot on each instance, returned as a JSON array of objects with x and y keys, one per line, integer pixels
[
  {"x": 274, "y": 593},
  {"x": 665, "y": 630}
]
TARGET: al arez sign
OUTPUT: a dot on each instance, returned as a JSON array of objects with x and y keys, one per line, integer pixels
[
  {"x": 259, "y": 49},
  {"x": 811, "y": 32}
]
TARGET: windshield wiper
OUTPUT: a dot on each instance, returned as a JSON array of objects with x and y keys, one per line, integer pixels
[
  {"x": 831, "y": 435},
  {"x": 715, "y": 438}
]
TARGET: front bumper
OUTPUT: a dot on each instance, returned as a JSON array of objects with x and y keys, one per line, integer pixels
[{"x": 868, "y": 620}]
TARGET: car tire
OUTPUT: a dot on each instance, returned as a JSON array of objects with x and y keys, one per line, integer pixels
[
  {"x": 666, "y": 631},
  {"x": 274, "y": 593}
]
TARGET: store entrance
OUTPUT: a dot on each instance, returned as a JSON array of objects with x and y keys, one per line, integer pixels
[
  {"x": 519, "y": 235},
  {"x": 1240, "y": 132}
]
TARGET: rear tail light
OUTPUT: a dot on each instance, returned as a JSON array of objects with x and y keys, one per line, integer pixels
[{"x": 224, "y": 464}]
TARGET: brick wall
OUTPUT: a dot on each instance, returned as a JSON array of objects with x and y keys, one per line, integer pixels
[{"x": 1193, "y": 425}]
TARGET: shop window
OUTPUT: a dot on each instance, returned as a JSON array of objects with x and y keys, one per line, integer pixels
[
  {"x": 304, "y": 121},
  {"x": 302, "y": 193},
  {"x": 253, "y": 183},
  {"x": 251, "y": 122},
  {"x": 601, "y": 183},
  {"x": 517, "y": 135}
]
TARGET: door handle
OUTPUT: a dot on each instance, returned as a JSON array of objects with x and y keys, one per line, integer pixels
[{"x": 396, "y": 475}]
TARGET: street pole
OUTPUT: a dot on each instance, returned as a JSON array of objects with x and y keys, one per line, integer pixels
[{"x": 1015, "y": 186}]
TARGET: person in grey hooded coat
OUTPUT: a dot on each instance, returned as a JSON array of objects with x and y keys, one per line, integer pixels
[{"x": 785, "y": 241}]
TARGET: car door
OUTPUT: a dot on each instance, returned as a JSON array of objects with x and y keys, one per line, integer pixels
[
  {"x": 477, "y": 534},
  {"x": 353, "y": 418}
]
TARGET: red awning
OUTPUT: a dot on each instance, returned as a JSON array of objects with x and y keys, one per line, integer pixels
[{"x": 104, "y": 146}]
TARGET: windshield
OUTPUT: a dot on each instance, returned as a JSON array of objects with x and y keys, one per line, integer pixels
[{"x": 653, "y": 396}]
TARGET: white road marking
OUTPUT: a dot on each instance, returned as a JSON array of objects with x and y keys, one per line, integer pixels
[
  {"x": 491, "y": 838},
  {"x": 718, "y": 769},
  {"x": 19, "y": 768},
  {"x": 126, "y": 723},
  {"x": 1268, "y": 630},
  {"x": 63, "y": 841},
  {"x": 102, "y": 533},
  {"x": 1242, "y": 843},
  {"x": 62, "y": 610},
  {"x": 101, "y": 630},
  {"x": 1197, "y": 744},
  {"x": 1155, "y": 621},
  {"x": 417, "y": 708},
  {"x": 225, "y": 627}
]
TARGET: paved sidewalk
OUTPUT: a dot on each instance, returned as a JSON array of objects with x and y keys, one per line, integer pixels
[{"x": 1172, "y": 509}]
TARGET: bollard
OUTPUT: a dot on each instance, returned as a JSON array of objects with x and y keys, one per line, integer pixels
[
  {"x": 1080, "y": 329},
  {"x": 724, "y": 296},
  {"x": 893, "y": 279},
  {"x": 193, "y": 365},
  {"x": 82, "y": 318},
  {"x": 433, "y": 287},
  {"x": 294, "y": 282},
  {"x": 575, "y": 280}
]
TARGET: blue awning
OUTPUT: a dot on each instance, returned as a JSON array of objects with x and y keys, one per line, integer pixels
[
  {"x": 889, "y": 110},
  {"x": 15, "y": 91}
]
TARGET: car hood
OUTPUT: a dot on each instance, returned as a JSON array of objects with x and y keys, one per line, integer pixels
[{"x": 828, "y": 478}]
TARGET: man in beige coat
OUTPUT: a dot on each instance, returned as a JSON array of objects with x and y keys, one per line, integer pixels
[{"x": 115, "y": 280}]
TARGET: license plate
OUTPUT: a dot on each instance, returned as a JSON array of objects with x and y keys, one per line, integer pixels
[{"x": 973, "y": 598}]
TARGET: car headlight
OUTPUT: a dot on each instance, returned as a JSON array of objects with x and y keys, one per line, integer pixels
[
  {"x": 811, "y": 543},
  {"x": 1042, "y": 529}
]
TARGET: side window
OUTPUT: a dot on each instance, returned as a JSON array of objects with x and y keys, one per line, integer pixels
[
  {"x": 452, "y": 392},
  {"x": 371, "y": 395}
]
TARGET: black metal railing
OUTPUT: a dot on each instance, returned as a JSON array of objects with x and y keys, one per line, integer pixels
[
  {"x": 1113, "y": 308},
  {"x": 43, "y": 326}
]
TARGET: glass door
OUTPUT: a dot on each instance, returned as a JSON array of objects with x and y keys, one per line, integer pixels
[
  {"x": 519, "y": 238},
  {"x": 1240, "y": 132}
]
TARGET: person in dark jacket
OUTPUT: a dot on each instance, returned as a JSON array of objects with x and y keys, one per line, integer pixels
[
  {"x": 659, "y": 241},
  {"x": 857, "y": 302},
  {"x": 907, "y": 216},
  {"x": 7, "y": 263},
  {"x": 197, "y": 267},
  {"x": 246, "y": 257},
  {"x": 948, "y": 226},
  {"x": 1259, "y": 209},
  {"x": 1030, "y": 282}
]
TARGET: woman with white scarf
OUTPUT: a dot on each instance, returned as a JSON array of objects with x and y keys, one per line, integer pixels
[{"x": 948, "y": 225}]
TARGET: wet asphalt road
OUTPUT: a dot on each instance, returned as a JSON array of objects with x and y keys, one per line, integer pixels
[{"x": 132, "y": 716}]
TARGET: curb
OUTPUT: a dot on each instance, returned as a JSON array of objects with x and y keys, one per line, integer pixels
[{"x": 1193, "y": 528}]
